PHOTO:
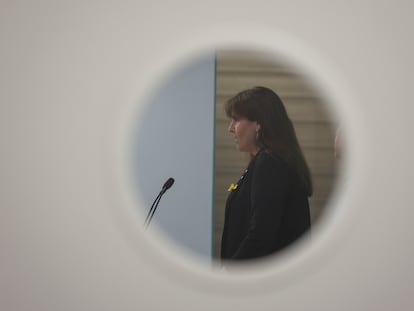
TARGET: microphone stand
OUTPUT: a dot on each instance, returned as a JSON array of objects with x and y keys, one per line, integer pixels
[
  {"x": 154, "y": 205},
  {"x": 153, "y": 208}
]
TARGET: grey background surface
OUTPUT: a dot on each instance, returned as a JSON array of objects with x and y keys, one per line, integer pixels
[{"x": 175, "y": 138}]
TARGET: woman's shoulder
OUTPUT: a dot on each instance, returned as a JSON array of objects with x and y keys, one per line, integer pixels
[
  {"x": 269, "y": 163},
  {"x": 269, "y": 158},
  {"x": 269, "y": 168}
]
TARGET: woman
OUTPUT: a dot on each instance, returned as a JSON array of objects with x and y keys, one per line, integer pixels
[{"x": 268, "y": 207}]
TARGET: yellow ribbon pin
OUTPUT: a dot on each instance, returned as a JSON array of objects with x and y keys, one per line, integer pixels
[{"x": 232, "y": 187}]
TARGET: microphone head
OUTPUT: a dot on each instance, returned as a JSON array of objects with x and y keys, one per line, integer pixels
[{"x": 168, "y": 184}]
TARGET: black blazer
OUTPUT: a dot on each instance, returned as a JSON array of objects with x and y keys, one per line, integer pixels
[{"x": 266, "y": 212}]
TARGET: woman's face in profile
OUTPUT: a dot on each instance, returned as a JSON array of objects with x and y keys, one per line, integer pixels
[{"x": 244, "y": 134}]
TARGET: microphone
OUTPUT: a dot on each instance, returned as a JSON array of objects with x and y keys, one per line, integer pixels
[{"x": 167, "y": 185}]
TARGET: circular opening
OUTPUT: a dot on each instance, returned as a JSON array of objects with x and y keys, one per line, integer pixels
[{"x": 182, "y": 134}]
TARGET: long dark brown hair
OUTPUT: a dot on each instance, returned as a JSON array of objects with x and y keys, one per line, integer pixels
[{"x": 277, "y": 134}]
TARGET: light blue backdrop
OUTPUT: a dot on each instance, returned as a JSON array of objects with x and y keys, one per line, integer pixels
[{"x": 176, "y": 139}]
